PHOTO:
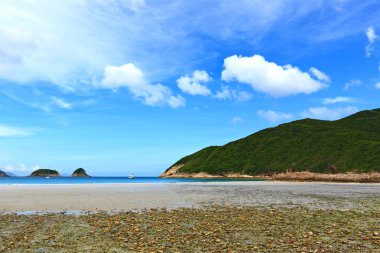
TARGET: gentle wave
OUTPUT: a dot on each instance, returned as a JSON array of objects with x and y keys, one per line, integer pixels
[{"x": 105, "y": 180}]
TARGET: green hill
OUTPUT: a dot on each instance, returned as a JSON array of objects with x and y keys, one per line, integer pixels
[
  {"x": 349, "y": 144},
  {"x": 80, "y": 173},
  {"x": 3, "y": 174},
  {"x": 45, "y": 173}
]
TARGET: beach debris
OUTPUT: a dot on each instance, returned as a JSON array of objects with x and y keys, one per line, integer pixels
[{"x": 208, "y": 229}]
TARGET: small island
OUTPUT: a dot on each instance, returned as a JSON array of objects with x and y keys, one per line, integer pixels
[
  {"x": 45, "y": 173},
  {"x": 80, "y": 173},
  {"x": 3, "y": 174}
]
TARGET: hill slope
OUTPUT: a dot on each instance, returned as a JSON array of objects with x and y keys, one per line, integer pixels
[
  {"x": 80, "y": 173},
  {"x": 350, "y": 144},
  {"x": 3, "y": 174},
  {"x": 45, "y": 173}
]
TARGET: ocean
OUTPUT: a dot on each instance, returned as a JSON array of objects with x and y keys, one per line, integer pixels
[{"x": 108, "y": 180}]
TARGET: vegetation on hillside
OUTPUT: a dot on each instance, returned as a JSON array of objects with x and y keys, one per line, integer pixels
[
  {"x": 80, "y": 173},
  {"x": 44, "y": 173},
  {"x": 3, "y": 174},
  {"x": 348, "y": 144}
]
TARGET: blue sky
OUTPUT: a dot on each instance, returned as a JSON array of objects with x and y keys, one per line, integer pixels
[{"x": 131, "y": 86}]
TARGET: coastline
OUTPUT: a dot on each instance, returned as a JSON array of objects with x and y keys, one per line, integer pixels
[
  {"x": 140, "y": 196},
  {"x": 301, "y": 176},
  {"x": 305, "y": 176}
]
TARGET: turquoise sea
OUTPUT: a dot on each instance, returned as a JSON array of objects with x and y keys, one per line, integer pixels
[{"x": 105, "y": 180}]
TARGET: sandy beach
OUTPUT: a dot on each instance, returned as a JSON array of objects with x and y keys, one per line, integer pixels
[
  {"x": 119, "y": 197},
  {"x": 191, "y": 217}
]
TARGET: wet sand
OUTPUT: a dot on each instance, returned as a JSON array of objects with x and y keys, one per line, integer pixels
[{"x": 121, "y": 197}]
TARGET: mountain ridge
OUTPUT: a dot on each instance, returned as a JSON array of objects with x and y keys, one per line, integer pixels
[{"x": 350, "y": 144}]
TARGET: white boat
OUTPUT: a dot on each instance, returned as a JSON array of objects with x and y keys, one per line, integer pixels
[
  {"x": 47, "y": 177},
  {"x": 131, "y": 176}
]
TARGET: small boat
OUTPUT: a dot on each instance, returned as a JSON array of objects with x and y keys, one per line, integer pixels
[
  {"x": 47, "y": 177},
  {"x": 131, "y": 176}
]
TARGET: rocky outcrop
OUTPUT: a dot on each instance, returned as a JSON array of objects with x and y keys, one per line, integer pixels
[
  {"x": 173, "y": 172},
  {"x": 306, "y": 176},
  {"x": 45, "y": 173},
  {"x": 80, "y": 173},
  {"x": 3, "y": 174}
]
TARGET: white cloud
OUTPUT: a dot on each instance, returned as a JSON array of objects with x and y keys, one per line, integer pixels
[
  {"x": 371, "y": 36},
  {"x": 227, "y": 93},
  {"x": 236, "y": 120},
  {"x": 176, "y": 101},
  {"x": 60, "y": 103},
  {"x": 270, "y": 78},
  {"x": 66, "y": 43},
  {"x": 352, "y": 83},
  {"x": 319, "y": 75},
  {"x": 338, "y": 99},
  {"x": 69, "y": 42},
  {"x": 132, "y": 78},
  {"x": 19, "y": 169},
  {"x": 274, "y": 116},
  {"x": 8, "y": 131},
  {"x": 192, "y": 84},
  {"x": 377, "y": 85},
  {"x": 329, "y": 114},
  {"x": 127, "y": 75}
]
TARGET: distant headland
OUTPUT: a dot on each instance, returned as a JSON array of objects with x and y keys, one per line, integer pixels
[
  {"x": 348, "y": 145},
  {"x": 3, "y": 174}
]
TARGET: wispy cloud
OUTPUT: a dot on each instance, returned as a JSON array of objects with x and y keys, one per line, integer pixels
[
  {"x": 34, "y": 34},
  {"x": 228, "y": 93},
  {"x": 377, "y": 85},
  {"x": 274, "y": 116},
  {"x": 236, "y": 120},
  {"x": 10, "y": 131},
  {"x": 39, "y": 100},
  {"x": 329, "y": 113},
  {"x": 132, "y": 78},
  {"x": 61, "y": 42},
  {"x": 20, "y": 169},
  {"x": 60, "y": 103},
  {"x": 371, "y": 36},
  {"x": 351, "y": 84},
  {"x": 319, "y": 75},
  {"x": 338, "y": 99}
]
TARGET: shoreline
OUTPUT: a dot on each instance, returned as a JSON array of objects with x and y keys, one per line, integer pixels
[
  {"x": 140, "y": 196},
  {"x": 263, "y": 216},
  {"x": 301, "y": 176},
  {"x": 194, "y": 183}
]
